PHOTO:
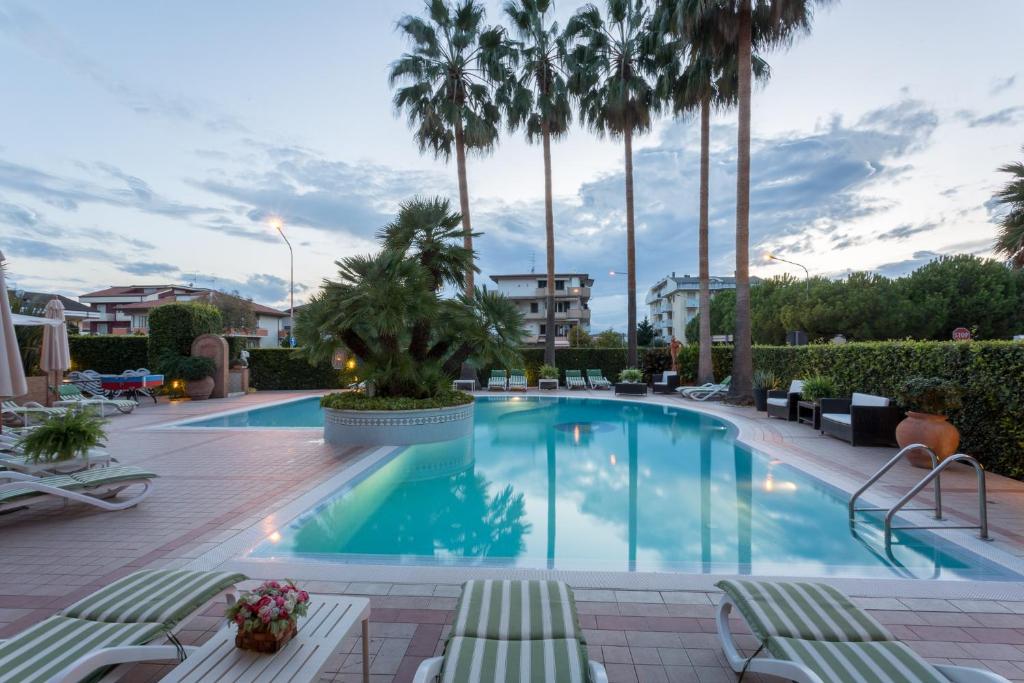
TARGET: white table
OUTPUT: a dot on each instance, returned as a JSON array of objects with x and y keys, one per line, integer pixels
[
  {"x": 321, "y": 631},
  {"x": 550, "y": 384}
]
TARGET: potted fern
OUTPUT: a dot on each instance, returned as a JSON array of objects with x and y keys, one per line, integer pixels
[
  {"x": 548, "y": 375},
  {"x": 631, "y": 381},
  {"x": 64, "y": 437}
]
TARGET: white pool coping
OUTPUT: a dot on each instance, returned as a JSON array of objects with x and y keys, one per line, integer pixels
[{"x": 232, "y": 554}]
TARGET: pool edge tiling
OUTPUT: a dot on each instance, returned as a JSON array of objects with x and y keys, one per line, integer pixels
[{"x": 963, "y": 545}]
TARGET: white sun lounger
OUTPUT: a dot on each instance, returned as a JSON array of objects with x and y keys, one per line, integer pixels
[
  {"x": 24, "y": 411},
  {"x": 93, "y": 487}
]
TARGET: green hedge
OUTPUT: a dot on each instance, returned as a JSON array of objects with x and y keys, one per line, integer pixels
[
  {"x": 173, "y": 328},
  {"x": 991, "y": 374},
  {"x": 721, "y": 362},
  {"x": 271, "y": 369},
  {"x": 108, "y": 353}
]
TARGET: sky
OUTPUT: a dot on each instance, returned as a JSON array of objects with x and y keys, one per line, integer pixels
[{"x": 152, "y": 142}]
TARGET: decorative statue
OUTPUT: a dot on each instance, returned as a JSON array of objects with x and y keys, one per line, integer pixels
[{"x": 673, "y": 350}]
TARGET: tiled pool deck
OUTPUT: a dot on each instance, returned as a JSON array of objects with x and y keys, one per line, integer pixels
[{"x": 214, "y": 485}]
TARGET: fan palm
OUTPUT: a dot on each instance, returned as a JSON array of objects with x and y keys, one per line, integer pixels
[
  {"x": 537, "y": 99},
  {"x": 1010, "y": 236},
  {"x": 388, "y": 311},
  {"x": 447, "y": 89},
  {"x": 748, "y": 26},
  {"x": 613, "y": 65},
  {"x": 708, "y": 80}
]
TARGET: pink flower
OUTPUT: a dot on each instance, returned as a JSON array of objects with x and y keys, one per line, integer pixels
[
  {"x": 266, "y": 618},
  {"x": 239, "y": 619},
  {"x": 303, "y": 596},
  {"x": 273, "y": 584},
  {"x": 279, "y": 601}
]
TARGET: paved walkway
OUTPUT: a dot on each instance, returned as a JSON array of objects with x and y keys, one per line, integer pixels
[{"x": 214, "y": 485}]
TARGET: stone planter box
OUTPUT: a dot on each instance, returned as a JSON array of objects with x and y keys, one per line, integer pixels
[{"x": 396, "y": 427}]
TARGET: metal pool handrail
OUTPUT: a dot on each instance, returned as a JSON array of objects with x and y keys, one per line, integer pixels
[
  {"x": 934, "y": 474},
  {"x": 851, "y": 506}
]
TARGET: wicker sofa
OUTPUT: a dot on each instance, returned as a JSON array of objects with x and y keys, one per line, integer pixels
[
  {"x": 782, "y": 402},
  {"x": 862, "y": 420}
]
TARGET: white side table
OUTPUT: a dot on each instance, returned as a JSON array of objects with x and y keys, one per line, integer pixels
[
  {"x": 303, "y": 658},
  {"x": 550, "y": 384},
  {"x": 464, "y": 385}
]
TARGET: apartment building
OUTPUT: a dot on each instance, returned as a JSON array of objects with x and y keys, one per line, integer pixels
[
  {"x": 529, "y": 292},
  {"x": 674, "y": 301},
  {"x": 125, "y": 310}
]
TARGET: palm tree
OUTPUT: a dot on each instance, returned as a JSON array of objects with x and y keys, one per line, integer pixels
[
  {"x": 537, "y": 98},
  {"x": 1010, "y": 237},
  {"x": 613, "y": 66},
  {"x": 709, "y": 80},
  {"x": 447, "y": 92},
  {"x": 749, "y": 25}
]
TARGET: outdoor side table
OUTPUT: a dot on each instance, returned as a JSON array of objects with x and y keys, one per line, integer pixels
[
  {"x": 631, "y": 388},
  {"x": 547, "y": 384},
  {"x": 808, "y": 413},
  {"x": 319, "y": 635},
  {"x": 464, "y": 385}
]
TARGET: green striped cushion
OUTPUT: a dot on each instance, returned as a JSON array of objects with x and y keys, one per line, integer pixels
[
  {"x": 812, "y": 611},
  {"x": 109, "y": 475},
  {"x": 516, "y": 610},
  {"x": 475, "y": 660},
  {"x": 38, "y": 654},
  {"x": 165, "y": 596},
  {"x": 874, "y": 662},
  {"x": 63, "y": 481}
]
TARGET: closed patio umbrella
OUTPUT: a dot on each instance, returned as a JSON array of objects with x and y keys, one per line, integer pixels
[
  {"x": 12, "y": 375},
  {"x": 55, "y": 357}
]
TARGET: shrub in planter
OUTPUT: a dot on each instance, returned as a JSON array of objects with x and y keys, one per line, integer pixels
[
  {"x": 631, "y": 375},
  {"x": 764, "y": 381},
  {"x": 928, "y": 401},
  {"x": 266, "y": 617},
  {"x": 817, "y": 387},
  {"x": 64, "y": 437},
  {"x": 547, "y": 372},
  {"x": 196, "y": 371}
]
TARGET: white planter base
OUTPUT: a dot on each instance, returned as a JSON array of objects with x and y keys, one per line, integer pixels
[{"x": 396, "y": 427}]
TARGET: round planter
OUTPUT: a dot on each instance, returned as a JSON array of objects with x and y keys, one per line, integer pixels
[
  {"x": 199, "y": 389},
  {"x": 934, "y": 431},
  {"x": 761, "y": 400},
  {"x": 396, "y": 427}
]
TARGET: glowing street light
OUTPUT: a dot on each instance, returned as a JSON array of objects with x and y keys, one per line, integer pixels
[
  {"x": 807, "y": 274},
  {"x": 278, "y": 224}
]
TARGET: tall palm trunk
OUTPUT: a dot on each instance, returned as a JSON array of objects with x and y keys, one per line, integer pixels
[
  {"x": 549, "y": 225},
  {"x": 742, "y": 362},
  {"x": 460, "y": 160},
  {"x": 705, "y": 370},
  {"x": 631, "y": 351}
]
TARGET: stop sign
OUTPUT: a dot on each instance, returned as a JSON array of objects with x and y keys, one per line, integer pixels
[{"x": 961, "y": 334}]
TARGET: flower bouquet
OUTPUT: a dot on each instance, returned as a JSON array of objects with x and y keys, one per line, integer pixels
[{"x": 266, "y": 616}]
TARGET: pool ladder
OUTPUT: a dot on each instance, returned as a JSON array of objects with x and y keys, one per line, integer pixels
[{"x": 932, "y": 476}]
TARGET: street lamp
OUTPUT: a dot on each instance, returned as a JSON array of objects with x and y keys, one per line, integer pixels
[
  {"x": 278, "y": 225},
  {"x": 807, "y": 274}
]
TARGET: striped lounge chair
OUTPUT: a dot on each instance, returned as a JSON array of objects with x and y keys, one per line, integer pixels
[
  {"x": 72, "y": 396},
  {"x": 815, "y": 634},
  {"x": 94, "y": 487},
  {"x": 115, "y": 625},
  {"x": 498, "y": 381},
  {"x": 574, "y": 380},
  {"x": 29, "y": 409},
  {"x": 512, "y": 631},
  {"x": 517, "y": 380},
  {"x": 598, "y": 380}
]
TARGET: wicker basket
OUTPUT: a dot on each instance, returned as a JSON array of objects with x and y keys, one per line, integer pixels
[{"x": 263, "y": 641}]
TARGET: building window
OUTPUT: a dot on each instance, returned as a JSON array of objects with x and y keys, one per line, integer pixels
[
  {"x": 561, "y": 306},
  {"x": 534, "y": 307},
  {"x": 543, "y": 329},
  {"x": 560, "y": 285},
  {"x": 542, "y": 284}
]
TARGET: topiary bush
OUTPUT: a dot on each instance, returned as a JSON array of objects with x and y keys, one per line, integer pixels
[
  {"x": 108, "y": 354},
  {"x": 356, "y": 400},
  {"x": 279, "y": 369},
  {"x": 173, "y": 328}
]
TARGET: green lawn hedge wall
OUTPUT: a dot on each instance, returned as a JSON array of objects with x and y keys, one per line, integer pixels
[
  {"x": 173, "y": 328},
  {"x": 108, "y": 353},
  {"x": 991, "y": 421},
  {"x": 271, "y": 369}
]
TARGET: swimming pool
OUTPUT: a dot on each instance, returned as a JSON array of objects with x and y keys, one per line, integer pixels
[{"x": 594, "y": 484}]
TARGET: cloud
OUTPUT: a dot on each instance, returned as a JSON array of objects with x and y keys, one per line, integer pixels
[
  {"x": 904, "y": 231},
  {"x": 269, "y": 290},
  {"x": 145, "y": 268},
  {"x": 1004, "y": 117},
  {"x": 50, "y": 251},
  {"x": 1001, "y": 84},
  {"x": 897, "y": 268}
]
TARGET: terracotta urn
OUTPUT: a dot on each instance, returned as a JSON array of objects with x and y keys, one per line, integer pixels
[
  {"x": 199, "y": 389},
  {"x": 934, "y": 431}
]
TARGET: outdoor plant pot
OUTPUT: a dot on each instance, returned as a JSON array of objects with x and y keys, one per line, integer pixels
[
  {"x": 761, "y": 400},
  {"x": 264, "y": 641},
  {"x": 397, "y": 427},
  {"x": 934, "y": 431},
  {"x": 199, "y": 389}
]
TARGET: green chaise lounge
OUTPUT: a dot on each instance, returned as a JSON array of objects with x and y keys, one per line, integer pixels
[
  {"x": 72, "y": 397},
  {"x": 30, "y": 408},
  {"x": 115, "y": 625},
  {"x": 94, "y": 487},
  {"x": 498, "y": 381},
  {"x": 511, "y": 631},
  {"x": 574, "y": 380},
  {"x": 598, "y": 380},
  {"x": 517, "y": 380},
  {"x": 815, "y": 634}
]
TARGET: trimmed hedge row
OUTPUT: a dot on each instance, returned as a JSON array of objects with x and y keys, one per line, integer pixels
[
  {"x": 273, "y": 369},
  {"x": 991, "y": 374},
  {"x": 108, "y": 353},
  {"x": 173, "y": 328}
]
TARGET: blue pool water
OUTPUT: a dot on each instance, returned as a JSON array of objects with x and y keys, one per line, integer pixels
[{"x": 601, "y": 485}]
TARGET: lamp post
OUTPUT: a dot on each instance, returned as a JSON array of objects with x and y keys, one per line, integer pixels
[
  {"x": 279, "y": 226},
  {"x": 632, "y": 354},
  {"x": 807, "y": 274}
]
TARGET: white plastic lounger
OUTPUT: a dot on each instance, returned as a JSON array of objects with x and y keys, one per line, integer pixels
[
  {"x": 598, "y": 380},
  {"x": 93, "y": 487},
  {"x": 12, "y": 458},
  {"x": 72, "y": 396},
  {"x": 23, "y": 412},
  {"x": 707, "y": 392},
  {"x": 498, "y": 381},
  {"x": 517, "y": 380},
  {"x": 812, "y": 633},
  {"x": 574, "y": 380}
]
